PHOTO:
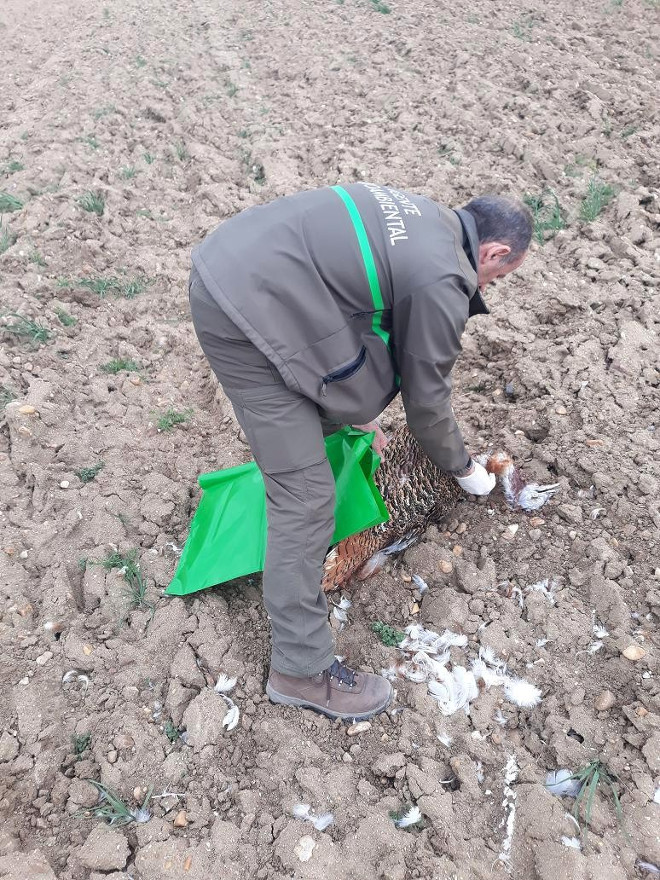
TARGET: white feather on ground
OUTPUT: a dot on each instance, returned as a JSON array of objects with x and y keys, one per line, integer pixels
[
  {"x": 509, "y": 803},
  {"x": 224, "y": 684},
  {"x": 420, "y": 583},
  {"x": 304, "y": 811},
  {"x": 545, "y": 588},
  {"x": 454, "y": 690},
  {"x": 522, "y": 693},
  {"x": 572, "y": 842},
  {"x": 562, "y": 783},
  {"x": 412, "y": 817}
]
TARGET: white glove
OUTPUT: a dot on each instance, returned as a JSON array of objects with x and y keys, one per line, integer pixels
[{"x": 478, "y": 481}]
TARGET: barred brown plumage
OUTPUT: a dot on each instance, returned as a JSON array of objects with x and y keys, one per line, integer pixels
[{"x": 417, "y": 493}]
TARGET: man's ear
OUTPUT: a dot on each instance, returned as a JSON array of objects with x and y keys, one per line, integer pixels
[{"x": 493, "y": 252}]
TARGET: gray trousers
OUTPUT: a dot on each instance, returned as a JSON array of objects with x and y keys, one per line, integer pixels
[{"x": 285, "y": 432}]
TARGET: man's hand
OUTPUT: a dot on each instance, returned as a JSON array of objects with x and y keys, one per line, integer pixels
[
  {"x": 477, "y": 481},
  {"x": 380, "y": 441}
]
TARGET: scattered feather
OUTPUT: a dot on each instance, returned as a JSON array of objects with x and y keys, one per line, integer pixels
[
  {"x": 76, "y": 675},
  {"x": 656, "y": 796},
  {"x": 545, "y": 588},
  {"x": 231, "y": 718},
  {"x": 413, "y": 816},
  {"x": 445, "y": 739},
  {"x": 562, "y": 783},
  {"x": 454, "y": 690},
  {"x": 224, "y": 684},
  {"x": 573, "y": 842},
  {"x": 420, "y": 583},
  {"x": 141, "y": 815},
  {"x": 483, "y": 672},
  {"x": 599, "y": 630},
  {"x": 522, "y": 693},
  {"x": 304, "y": 812},
  {"x": 509, "y": 803},
  {"x": 499, "y": 718},
  {"x": 541, "y": 643},
  {"x": 340, "y": 614},
  {"x": 596, "y": 512},
  {"x": 479, "y": 767},
  {"x": 594, "y": 647},
  {"x": 648, "y": 866}
]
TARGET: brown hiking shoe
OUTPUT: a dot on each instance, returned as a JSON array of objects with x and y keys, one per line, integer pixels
[{"x": 338, "y": 692}]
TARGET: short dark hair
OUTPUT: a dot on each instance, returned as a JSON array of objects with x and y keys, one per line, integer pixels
[{"x": 499, "y": 218}]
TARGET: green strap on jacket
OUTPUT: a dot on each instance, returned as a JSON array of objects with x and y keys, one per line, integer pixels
[{"x": 369, "y": 264}]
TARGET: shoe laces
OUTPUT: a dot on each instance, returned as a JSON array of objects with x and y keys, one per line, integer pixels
[{"x": 343, "y": 674}]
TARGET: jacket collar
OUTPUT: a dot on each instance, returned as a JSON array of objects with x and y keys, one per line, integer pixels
[{"x": 471, "y": 248}]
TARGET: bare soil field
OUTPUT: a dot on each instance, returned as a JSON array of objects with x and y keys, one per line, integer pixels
[{"x": 127, "y": 131}]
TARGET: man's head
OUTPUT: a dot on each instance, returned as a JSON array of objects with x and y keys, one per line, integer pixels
[{"x": 504, "y": 227}]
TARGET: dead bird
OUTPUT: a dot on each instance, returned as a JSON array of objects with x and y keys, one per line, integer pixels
[{"x": 416, "y": 494}]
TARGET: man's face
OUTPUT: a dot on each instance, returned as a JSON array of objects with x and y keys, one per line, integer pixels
[{"x": 491, "y": 262}]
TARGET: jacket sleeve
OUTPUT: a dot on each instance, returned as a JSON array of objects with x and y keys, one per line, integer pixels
[{"x": 428, "y": 323}]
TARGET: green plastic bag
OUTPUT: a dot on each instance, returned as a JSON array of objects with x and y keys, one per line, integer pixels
[{"x": 227, "y": 537}]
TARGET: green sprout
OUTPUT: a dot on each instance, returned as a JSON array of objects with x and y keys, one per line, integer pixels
[
  {"x": 171, "y": 418},
  {"x": 546, "y": 214},
  {"x": 590, "y": 777},
  {"x": 86, "y": 475},
  {"x": 118, "y": 365},
  {"x": 65, "y": 318},
  {"x": 135, "y": 582},
  {"x": 599, "y": 195},
  {"x": 6, "y": 396},
  {"x": 7, "y": 238},
  {"x": 113, "y": 810},
  {"x": 80, "y": 742},
  {"x": 93, "y": 202},
  {"x": 25, "y": 328},
  {"x": 388, "y": 635},
  {"x": 9, "y": 203}
]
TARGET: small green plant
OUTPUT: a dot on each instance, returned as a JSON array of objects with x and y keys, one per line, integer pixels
[
  {"x": 9, "y": 203},
  {"x": 6, "y": 396},
  {"x": 131, "y": 289},
  {"x": 591, "y": 777},
  {"x": 522, "y": 28},
  {"x": 118, "y": 365},
  {"x": 171, "y": 418},
  {"x": 87, "y": 474},
  {"x": 91, "y": 142},
  {"x": 65, "y": 318},
  {"x": 230, "y": 87},
  {"x": 113, "y": 810},
  {"x": 388, "y": 635},
  {"x": 135, "y": 581},
  {"x": 80, "y": 742},
  {"x": 128, "y": 172},
  {"x": 93, "y": 202},
  {"x": 111, "y": 284},
  {"x": 171, "y": 732},
  {"x": 35, "y": 257},
  {"x": 106, "y": 110},
  {"x": 145, "y": 212},
  {"x": 599, "y": 195},
  {"x": 7, "y": 238},
  {"x": 149, "y": 158},
  {"x": 546, "y": 214},
  {"x": 12, "y": 167},
  {"x": 140, "y": 61},
  {"x": 379, "y": 6},
  {"x": 628, "y": 131},
  {"x": 181, "y": 151},
  {"x": 25, "y": 328},
  {"x": 101, "y": 286}
]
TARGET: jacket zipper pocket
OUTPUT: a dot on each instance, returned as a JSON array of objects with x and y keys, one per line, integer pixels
[{"x": 344, "y": 372}]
